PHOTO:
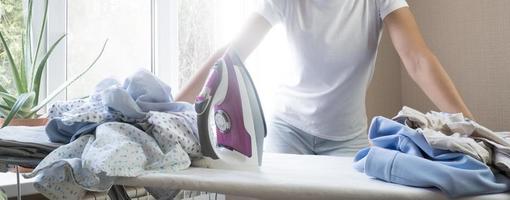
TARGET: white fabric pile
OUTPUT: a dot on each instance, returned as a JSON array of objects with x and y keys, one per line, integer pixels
[{"x": 459, "y": 134}]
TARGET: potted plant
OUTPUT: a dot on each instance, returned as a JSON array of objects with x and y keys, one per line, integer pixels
[{"x": 21, "y": 106}]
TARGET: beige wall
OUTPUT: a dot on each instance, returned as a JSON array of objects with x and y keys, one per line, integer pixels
[{"x": 472, "y": 40}]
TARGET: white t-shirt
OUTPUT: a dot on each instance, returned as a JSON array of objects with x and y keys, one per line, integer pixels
[{"x": 333, "y": 46}]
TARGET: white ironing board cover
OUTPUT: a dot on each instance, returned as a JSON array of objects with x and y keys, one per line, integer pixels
[{"x": 286, "y": 176}]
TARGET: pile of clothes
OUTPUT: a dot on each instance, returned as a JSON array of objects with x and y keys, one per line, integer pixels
[
  {"x": 442, "y": 150},
  {"x": 120, "y": 130}
]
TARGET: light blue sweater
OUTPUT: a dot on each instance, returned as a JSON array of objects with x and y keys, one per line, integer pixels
[{"x": 401, "y": 155}]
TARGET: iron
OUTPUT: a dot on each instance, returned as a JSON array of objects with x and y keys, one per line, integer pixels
[{"x": 230, "y": 119}]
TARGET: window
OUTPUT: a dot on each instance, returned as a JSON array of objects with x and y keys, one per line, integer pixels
[
  {"x": 127, "y": 26},
  {"x": 170, "y": 38},
  {"x": 11, "y": 25},
  {"x": 125, "y": 23}
]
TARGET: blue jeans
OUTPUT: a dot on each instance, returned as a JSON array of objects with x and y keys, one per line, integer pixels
[{"x": 285, "y": 138}]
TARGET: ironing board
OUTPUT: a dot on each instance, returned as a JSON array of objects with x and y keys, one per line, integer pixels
[{"x": 286, "y": 176}]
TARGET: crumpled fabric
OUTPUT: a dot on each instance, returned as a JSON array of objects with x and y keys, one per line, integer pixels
[
  {"x": 456, "y": 133},
  {"x": 447, "y": 123},
  {"x": 138, "y": 129},
  {"x": 432, "y": 120},
  {"x": 501, "y": 153},
  {"x": 458, "y": 142},
  {"x": 401, "y": 155},
  {"x": 111, "y": 101}
]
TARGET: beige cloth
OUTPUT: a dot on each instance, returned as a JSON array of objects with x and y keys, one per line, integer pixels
[
  {"x": 501, "y": 153},
  {"x": 459, "y": 134}
]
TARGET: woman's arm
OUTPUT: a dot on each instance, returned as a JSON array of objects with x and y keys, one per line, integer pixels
[
  {"x": 250, "y": 36},
  {"x": 421, "y": 64}
]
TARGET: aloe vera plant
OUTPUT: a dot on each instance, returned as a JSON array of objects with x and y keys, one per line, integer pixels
[{"x": 28, "y": 70}]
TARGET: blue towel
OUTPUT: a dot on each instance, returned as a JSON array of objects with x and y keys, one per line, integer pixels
[{"x": 402, "y": 155}]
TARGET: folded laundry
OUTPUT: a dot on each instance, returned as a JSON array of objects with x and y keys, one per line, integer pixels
[
  {"x": 456, "y": 133},
  {"x": 116, "y": 132},
  {"x": 21, "y": 152},
  {"x": 25, "y": 146},
  {"x": 26, "y": 137},
  {"x": 402, "y": 155}
]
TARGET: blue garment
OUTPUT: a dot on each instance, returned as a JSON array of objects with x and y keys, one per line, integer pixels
[
  {"x": 65, "y": 133},
  {"x": 402, "y": 155},
  {"x": 140, "y": 93}
]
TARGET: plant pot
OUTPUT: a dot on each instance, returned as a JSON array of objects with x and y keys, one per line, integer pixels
[
  {"x": 12, "y": 168},
  {"x": 26, "y": 122}
]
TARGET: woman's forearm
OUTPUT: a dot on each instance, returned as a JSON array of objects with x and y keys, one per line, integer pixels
[
  {"x": 431, "y": 77},
  {"x": 193, "y": 87},
  {"x": 422, "y": 64}
]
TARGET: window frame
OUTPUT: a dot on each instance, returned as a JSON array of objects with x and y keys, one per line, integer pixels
[{"x": 164, "y": 43}]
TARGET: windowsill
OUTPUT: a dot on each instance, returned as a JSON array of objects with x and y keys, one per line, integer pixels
[{"x": 8, "y": 183}]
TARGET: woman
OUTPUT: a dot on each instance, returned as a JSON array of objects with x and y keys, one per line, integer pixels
[{"x": 321, "y": 106}]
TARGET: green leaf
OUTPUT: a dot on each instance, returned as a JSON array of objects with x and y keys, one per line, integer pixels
[
  {"x": 22, "y": 67},
  {"x": 5, "y": 107},
  {"x": 67, "y": 83},
  {"x": 14, "y": 69},
  {"x": 4, "y": 112},
  {"x": 28, "y": 104},
  {"x": 8, "y": 98},
  {"x": 43, "y": 26},
  {"x": 22, "y": 99},
  {"x": 28, "y": 33},
  {"x": 25, "y": 115},
  {"x": 36, "y": 80},
  {"x": 19, "y": 115},
  {"x": 2, "y": 89}
]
